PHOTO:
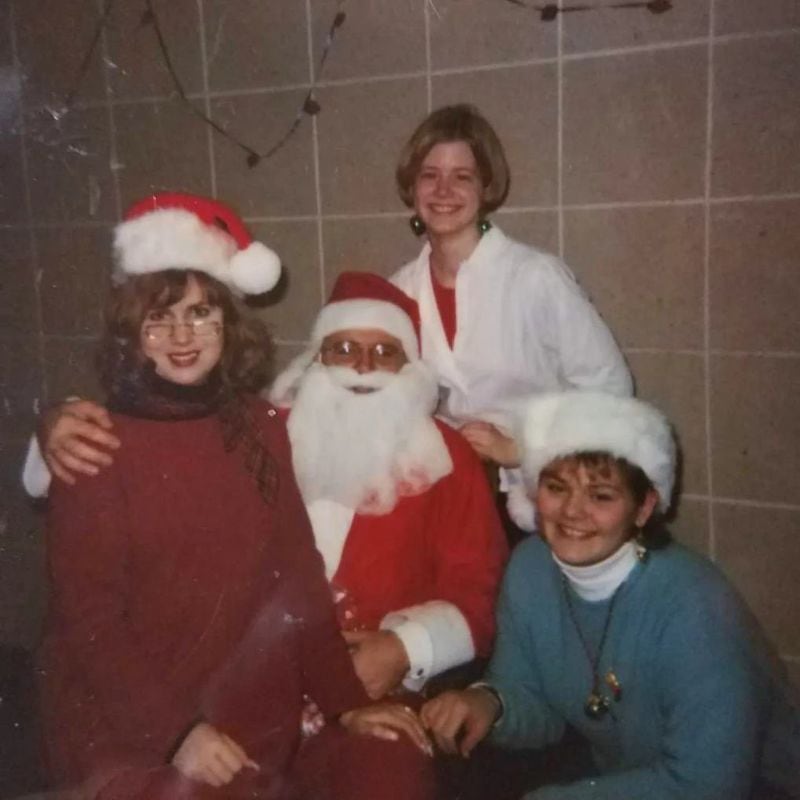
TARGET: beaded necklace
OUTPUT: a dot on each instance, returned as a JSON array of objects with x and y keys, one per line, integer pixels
[{"x": 597, "y": 704}]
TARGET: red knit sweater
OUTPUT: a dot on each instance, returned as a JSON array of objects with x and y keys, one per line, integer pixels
[{"x": 178, "y": 593}]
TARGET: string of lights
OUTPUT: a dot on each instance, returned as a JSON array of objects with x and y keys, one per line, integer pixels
[{"x": 310, "y": 106}]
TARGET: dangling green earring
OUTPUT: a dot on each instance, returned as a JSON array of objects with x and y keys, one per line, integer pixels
[
  {"x": 640, "y": 546},
  {"x": 483, "y": 226},
  {"x": 417, "y": 225}
]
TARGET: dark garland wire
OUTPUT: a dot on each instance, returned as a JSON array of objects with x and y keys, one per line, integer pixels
[
  {"x": 549, "y": 11},
  {"x": 309, "y": 106},
  {"x": 84, "y": 66}
]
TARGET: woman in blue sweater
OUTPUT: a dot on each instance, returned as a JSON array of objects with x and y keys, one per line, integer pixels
[{"x": 603, "y": 625}]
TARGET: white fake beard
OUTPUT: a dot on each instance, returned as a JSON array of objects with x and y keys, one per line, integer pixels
[{"x": 365, "y": 450}]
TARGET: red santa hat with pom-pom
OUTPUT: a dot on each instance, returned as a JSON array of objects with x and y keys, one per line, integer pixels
[{"x": 173, "y": 230}]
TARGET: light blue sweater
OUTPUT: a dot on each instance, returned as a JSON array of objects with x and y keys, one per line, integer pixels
[{"x": 704, "y": 710}]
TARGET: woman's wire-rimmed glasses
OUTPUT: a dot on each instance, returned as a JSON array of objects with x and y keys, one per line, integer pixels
[{"x": 198, "y": 328}]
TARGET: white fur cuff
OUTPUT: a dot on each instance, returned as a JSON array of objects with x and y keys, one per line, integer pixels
[{"x": 447, "y": 631}]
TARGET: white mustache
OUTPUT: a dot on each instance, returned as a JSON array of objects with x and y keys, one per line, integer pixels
[{"x": 348, "y": 378}]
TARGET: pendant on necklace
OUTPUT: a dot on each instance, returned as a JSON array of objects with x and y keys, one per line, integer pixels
[
  {"x": 613, "y": 683},
  {"x": 596, "y": 706}
]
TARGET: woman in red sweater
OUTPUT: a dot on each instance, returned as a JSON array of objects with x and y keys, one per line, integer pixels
[{"x": 189, "y": 609}]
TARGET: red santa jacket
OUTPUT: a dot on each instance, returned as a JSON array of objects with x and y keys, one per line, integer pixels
[{"x": 446, "y": 544}]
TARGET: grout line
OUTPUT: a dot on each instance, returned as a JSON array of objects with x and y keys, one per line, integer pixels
[
  {"x": 560, "y": 133},
  {"x": 33, "y": 246},
  {"x": 73, "y": 337},
  {"x": 741, "y": 501},
  {"x": 756, "y": 198},
  {"x": 713, "y": 351},
  {"x": 113, "y": 156},
  {"x": 658, "y": 351},
  {"x": 505, "y": 211},
  {"x": 315, "y": 154},
  {"x": 613, "y": 204},
  {"x": 212, "y": 167},
  {"x": 772, "y": 34},
  {"x": 716, "y": 351},
  {"x": 637, "y": 49},
  {"x": 385, "y": 78},
  {"x": 712, "y": 540},
  {"x": 296, "y": 218},
  {"x": 497, "y": 65},
  {"x": 428, "y": 78}
]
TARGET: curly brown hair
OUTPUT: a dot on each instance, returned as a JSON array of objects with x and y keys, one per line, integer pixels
[
  {"x": 247, "y": 350},
  {"x": 457, "y": 123}
]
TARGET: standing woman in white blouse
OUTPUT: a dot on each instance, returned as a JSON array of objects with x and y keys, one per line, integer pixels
[{"x": 500, "y": 320}]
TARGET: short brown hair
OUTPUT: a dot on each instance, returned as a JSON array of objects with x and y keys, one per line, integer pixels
[
  {"x": 458, "y": 123},
  {"x": 247, "y": 347},
  {"x": 653, "y": 534}
]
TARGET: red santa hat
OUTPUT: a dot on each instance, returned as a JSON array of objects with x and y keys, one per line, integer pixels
[
  {"x": 172, "y": 230},
  {"x": 561, "y": 424},
  {"x": 358, "y": 300}
]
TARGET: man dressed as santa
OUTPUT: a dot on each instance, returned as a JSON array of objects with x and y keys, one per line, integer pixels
[{"x": 399, "y": 503}]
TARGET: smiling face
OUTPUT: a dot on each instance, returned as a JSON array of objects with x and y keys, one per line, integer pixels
[
  {"x": 184, "y": 340},
  {"x": 585, "y": 512},
  {"x": 448, "y": 191}
]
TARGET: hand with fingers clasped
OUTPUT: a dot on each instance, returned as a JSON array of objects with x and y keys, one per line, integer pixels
[
  {"x": 380, "y": 660},
  {"x": 210, "y": 756},
  {"x": 459, "y": 720},
  {"x": 387, "y": 721},
  {"x": 75, "y": 437},
  {"x": 491, "y": 444}
]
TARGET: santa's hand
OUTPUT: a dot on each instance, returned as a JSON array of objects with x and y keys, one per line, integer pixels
[
  {"x": 490, "y": 443},
  {"x": 210, "y": 756},
  {"x": 459, "y": 720},
  {"x": 74, "y": 438},
  {"x": 380, "y": 660},
  {"x": 387, "y": 721}
]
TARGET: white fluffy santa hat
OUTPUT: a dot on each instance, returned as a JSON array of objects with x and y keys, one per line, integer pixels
[
  {"x": 358, "y": 300},
  {"x": 561, "y": 424},
  {"x": 173, "y": 230}
]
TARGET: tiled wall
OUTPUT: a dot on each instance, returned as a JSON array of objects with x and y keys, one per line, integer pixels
[{"x": 659, "y": 154}]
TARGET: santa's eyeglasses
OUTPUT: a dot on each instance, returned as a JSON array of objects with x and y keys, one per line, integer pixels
[{"x": 347, "y": 353}]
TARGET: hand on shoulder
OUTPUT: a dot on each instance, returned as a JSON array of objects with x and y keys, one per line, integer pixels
[
  {"x": 491, "y": 444},
  {"x": 75, "y": 437}
]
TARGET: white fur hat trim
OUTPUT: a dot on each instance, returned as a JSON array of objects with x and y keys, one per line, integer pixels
[
  {"x": 561, "y": 424},
  {"x": 367, "y": 314}
]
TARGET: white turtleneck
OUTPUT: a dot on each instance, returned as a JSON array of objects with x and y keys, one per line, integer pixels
[{"x": 599, "y": 581}]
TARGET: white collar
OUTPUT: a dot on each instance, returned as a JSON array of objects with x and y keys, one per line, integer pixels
[
  {"x": 487, "y": 250},
  {"x": 599, "y": 581}
]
